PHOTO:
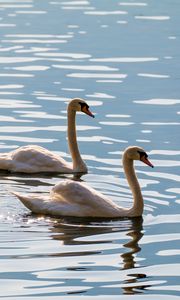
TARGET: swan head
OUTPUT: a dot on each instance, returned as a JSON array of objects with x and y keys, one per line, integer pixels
[
  {"x": 79, "y": 104},
  {"x": 137, "y": 153}
]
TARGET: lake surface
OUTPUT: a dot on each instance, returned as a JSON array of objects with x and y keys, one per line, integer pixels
[{"x": 123, "y": 58}]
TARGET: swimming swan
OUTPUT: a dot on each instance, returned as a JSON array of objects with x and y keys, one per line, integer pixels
[
  {"x": 36, "y": 159},
  {"x": 72, "y": 198}
]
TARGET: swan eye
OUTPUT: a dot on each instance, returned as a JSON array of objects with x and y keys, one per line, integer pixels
[
  {"x": 83, "y": 105},
  {"x": 142, "y": 154}
]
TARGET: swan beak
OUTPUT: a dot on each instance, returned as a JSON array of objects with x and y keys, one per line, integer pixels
[
  {"x": 87, "y": 111},
  {"x": 146, "y": 161}
]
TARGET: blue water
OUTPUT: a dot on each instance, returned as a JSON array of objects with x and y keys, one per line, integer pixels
[{"x": 123, "y": 58}]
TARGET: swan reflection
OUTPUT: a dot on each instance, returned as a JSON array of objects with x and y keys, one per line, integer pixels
[
  {"x": 129, "y": 258},
  {"x": 89, "y": 233}
]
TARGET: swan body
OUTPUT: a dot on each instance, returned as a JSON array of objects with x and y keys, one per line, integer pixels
[
  {"x": 36, "y": 159},
  {"x": 33, "y": 159},
  {"x": 72, "y": 198}
]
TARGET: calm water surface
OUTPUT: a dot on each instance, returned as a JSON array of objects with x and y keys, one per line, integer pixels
[{"x": 123, "y": 58}]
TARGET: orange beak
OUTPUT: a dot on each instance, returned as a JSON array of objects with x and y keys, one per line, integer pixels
[
  {"x": 146, "y": 161},
  {"x": 87, "y": 112}
]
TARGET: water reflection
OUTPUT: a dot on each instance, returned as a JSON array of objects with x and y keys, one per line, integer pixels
[
  {"x": 86, "y": 235},
  {"x": 82, "y": 251},
  {"x": 135, "y": 234},
  {"x": 129, "y": 259}
]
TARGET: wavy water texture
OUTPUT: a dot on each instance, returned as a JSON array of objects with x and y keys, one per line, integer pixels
[{"x": 122, "y": 58}]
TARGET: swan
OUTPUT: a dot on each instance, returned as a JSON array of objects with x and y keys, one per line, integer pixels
[
  {"x": 36, "y": 159},
  {"x": 73, "y": 198}
]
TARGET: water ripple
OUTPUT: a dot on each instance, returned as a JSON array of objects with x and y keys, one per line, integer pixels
[
  {"x": 62, "y": 54},
  {"x": 8, "y": 103},
  {"x": 11, "y": 86},
  {"x": 48, "y": 128},
  {"x": 105, "y": 13},
  {"x": 154, "y": 18},
  {"x": 36, "y": 41},
  {"x": 15, "y": 75},
  {"x": 52, "y": 51},
  {"x": 7, "y": 25},
  {"x": 31, "y": 68},
  {"x": 97, "y": 75},
  {"x": 158, "y": 101},
  {"x": 125, "y": 59},
  {"x": 86, "y": 68},
  {"x": 153, "y": 75},
  {"x": 13, "y": 60},
  {"x": 133, "y": 4},
  {"x": 27, "y": 139},
  {"x": 15, "y": 6},
  {"x": 31, "y": 12},
  {"x": 117, "y": 123}
]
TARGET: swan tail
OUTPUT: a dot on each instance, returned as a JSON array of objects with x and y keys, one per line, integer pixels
[
  {"x": 5, "y": 162},
  {"x": 30, "y": 202}
]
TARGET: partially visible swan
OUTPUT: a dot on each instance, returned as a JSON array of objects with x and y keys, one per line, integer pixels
[
  {"x": 72, "y": 198},
  {"x": 36, "y": 159}
]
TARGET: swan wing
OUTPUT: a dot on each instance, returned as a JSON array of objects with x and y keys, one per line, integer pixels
[{"x": 82, "y": 200}]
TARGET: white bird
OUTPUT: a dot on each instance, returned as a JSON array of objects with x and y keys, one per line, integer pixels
[
  {"x": 72, "y": 198},
  {"x": 36, "y": 159}
]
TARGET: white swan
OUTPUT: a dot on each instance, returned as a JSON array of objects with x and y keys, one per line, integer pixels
[
  {"x": 36, "y": 159},
  {"x": 72, "y": 198}
]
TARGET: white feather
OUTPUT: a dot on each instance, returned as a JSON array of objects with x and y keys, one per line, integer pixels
[{"x": 73, "y": 198}]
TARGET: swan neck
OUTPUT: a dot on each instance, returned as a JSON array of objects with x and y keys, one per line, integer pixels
[
  {"x": 78, "y": 163},
  {"x": 138, "y": 204}
]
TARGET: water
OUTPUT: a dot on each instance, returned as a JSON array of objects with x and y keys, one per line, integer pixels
[{"x": 123, "y": 58}]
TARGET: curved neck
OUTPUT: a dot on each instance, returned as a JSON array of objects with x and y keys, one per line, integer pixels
[
  {"x": 78, "y": 163},
  {"x": 138, "y": 204}
]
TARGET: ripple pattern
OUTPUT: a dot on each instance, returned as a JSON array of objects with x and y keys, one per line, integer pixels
[{"x": 123, "y": 58}]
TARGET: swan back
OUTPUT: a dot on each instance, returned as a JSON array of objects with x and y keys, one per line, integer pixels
[{"x": 82, "y": 200}]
